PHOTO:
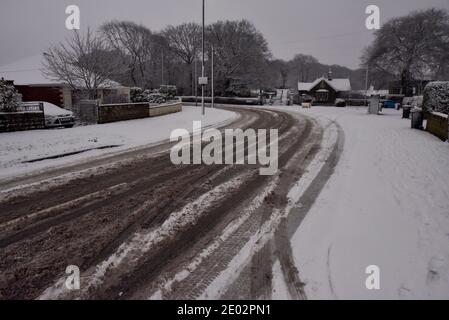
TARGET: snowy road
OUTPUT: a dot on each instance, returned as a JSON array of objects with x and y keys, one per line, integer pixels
[{"x": 140, "y": 227}]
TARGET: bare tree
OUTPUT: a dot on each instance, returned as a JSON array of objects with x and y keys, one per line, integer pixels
[
  {"x": 135, "y": 44},
  {"x": 241, "y": 52},
  {"x": 184, "y": 42},
  {"x": 410, "y": 47},
  {"x": 304, "y": 67},
  {"x": 81, "y": 62}
]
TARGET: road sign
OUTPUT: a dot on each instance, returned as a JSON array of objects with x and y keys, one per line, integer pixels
[{"x": 203, "y": 81}]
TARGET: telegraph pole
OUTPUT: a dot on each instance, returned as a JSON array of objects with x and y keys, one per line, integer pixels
[
  {"x": 162, "y": 67},
  {"x": 196, "y": 82},
  {"x": 202, "y": 65},
  {"x": 212, "y": 77},
  {"x": 366, "y": 83}
]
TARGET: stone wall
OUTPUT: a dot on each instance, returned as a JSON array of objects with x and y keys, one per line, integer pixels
[
  {"x": 121, "y": 112},
  {"x": 161, "y": 110},
  {"x": 20, "y": 121},
  {"x": 86, "y": 111}
]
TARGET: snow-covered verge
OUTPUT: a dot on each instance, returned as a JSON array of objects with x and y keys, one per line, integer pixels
[
  {"x": 16, "y": 148},
  {"x": 387, "y": 204}
]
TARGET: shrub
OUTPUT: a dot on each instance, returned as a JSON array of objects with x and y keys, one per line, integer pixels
[
  {"x": 158, "y": 96},
  {"x": 10, "y": 99},
  {"x": 436, "y": 97},
  {"x": 169, "y": 92},
  {"x": 136, "y": 95}
]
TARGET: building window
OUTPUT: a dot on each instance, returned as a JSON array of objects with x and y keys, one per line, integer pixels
[{"x": 322, "y": 96}]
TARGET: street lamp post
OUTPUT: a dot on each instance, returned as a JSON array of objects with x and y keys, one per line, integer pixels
[
  {"x": 212, "y": 78},
  {"x": 162, "y": 74},
  {"x": 196, "y": 82},
  {"x": 202, "y": 65},
  {"x": 366, "y": 83}
]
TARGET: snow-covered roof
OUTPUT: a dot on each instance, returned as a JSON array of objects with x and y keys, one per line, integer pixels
[
  {"x": 29, "y": 71},
  {"x": 336, "y": 84},
  {"x": 304, "y": 86}
]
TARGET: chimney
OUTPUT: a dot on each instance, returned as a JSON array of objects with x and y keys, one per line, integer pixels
[{"x": 329, "y": 75}]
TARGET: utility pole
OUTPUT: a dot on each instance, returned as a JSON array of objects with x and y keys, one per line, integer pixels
[
  {"x": 202, "y": 65},
  {"x": 196, "y": 83},
  {"x": 212, "y": 78},
  {"x": 162, "y": 67},
  {"x": 366, "y": 83}
]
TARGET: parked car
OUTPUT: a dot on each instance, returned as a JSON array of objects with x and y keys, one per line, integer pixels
[{"x": 57, "y": 117}]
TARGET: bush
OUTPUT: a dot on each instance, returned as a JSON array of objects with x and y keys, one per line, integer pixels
[
  {"x": 158, "y": 96},
  {"x": 436, "y": 97},
  {"x": 169, "y": 92},
  {"x": 136, "y": 95},
  {"x": 10, "y": 99}
]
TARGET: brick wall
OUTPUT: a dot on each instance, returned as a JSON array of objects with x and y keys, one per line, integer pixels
[{"x": 53, "y": 95}]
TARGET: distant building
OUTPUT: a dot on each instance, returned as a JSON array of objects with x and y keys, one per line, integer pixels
[
  {"x": 30, "y": 82},
  {"x": 325, "y": 90}
]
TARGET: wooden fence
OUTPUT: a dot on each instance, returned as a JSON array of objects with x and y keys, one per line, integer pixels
[{"x": 437, "y": 124}]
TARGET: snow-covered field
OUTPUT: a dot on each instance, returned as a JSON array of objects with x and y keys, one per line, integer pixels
[
  {"x": 16, "y": 148},
  {"x": 387, "y": 204}
]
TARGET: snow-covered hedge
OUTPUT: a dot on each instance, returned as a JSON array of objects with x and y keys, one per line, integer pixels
[
  {"x": 436, "y": 97},
  {"x": 151, "y": 96},
  {"x": 10, "y": 99},
  {"x": 160, "y": 96}
]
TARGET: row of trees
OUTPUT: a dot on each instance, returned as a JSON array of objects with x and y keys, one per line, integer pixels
[
  {"x": 133, "y": 55},
  {"x": 412, "y": 47}
]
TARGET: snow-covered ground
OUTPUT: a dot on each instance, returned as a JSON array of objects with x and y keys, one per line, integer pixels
[
  {"x": 16, "y": 148},
  {"x": 387, "y": 204}
]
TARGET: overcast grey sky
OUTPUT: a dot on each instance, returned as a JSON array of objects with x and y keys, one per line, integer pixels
[{"x": 331, "y": 30}]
